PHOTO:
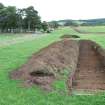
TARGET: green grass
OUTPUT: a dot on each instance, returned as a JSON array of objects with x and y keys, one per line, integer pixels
[
  {"x": 93, "y": 28},
  {"x": 100, "y": 39},
  {"x": 9, "y": 36},
  {"x": 60, "y": 85},
  {"x": 14, "y": 55}
]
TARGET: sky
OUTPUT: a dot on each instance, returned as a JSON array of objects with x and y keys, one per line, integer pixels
[{"x": 63, "y": 9}]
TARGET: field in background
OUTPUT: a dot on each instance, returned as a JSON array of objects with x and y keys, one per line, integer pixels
[
  {"x": 92, "y": 28},
  {"x": 13, "y": 55}
]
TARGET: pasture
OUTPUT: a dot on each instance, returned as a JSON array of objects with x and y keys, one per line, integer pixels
[
  {"x": 93, "y": 29},
  {"x": 15, "y": 51}
]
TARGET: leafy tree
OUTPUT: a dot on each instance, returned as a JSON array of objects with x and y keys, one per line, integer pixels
[
  {"x": 31, "y": 20},
  {"x": 1, "y": 6},
  {"x": 8, "y": 18},
  {"x": 45, "y": 26},
  {"x": 19, "y": 19},
  {"x": 54, "y": 24},
  {"x": 68, "y": 23},
  {"x": 12, "y": 19}
]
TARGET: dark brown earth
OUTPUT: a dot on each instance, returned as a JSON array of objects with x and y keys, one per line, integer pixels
[
  {"x": 70, "y": 36},
  {"x": 43, "y": 67},
  {"x": 90, "y": 72}
]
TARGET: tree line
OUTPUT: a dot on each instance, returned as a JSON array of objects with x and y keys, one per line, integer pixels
[{"x": 13, "y": 19}]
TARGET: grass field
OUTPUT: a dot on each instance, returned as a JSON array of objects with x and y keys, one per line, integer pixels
[
  {"x": 93, "y": 28},
  {"x": 13, "y": 55}
]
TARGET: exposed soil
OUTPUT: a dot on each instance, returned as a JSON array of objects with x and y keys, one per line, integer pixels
[
  {"x": 85, "y": 58},
  {"x": 43, "y": 67},
  {"x": 70, "y": 36},
  {"x": 90, "y": 72}
]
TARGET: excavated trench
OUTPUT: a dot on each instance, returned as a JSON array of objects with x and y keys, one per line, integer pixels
[
  {"x": 90, "y": 71},
  {"x": 85, "y": 58}
]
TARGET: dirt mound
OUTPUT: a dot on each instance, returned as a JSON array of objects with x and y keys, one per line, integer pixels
[
  {"x": 90, "y": 72},
  {"x": 70, "y": 36},
  {"x": 42, "y": 67},
  {"x": 85, "y": 58}
]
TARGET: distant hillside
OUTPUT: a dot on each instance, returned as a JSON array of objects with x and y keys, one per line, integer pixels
[
  {"x": 82, "y": 22},
  {"x": 94, "y": 21}
]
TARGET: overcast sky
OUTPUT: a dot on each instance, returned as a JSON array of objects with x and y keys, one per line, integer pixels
[{"x": 63, "y": 9}]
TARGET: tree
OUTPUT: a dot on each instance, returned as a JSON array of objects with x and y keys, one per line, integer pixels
[
  {"x": 54, "y": 24},
  {"x": 1, "y": 6},
  {"x": 2, "y": 16},
  {"x": 31, "y": 20},
  {"x": 20, "y": 14},
  {"x": 8, "y": 18},
  {"x": 45, "y": 26},
  {"x": 13, "y": 19},
  {"x": 69, "y": 23}
]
